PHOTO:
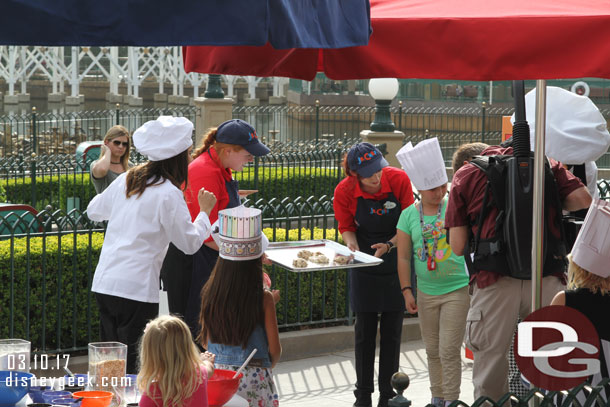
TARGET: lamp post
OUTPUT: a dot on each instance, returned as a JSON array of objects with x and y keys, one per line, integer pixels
[
  {"x": 383, "y": 90},
  {"x": 214, "y": 90}
]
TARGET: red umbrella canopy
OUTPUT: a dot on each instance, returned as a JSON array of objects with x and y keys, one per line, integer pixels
[{"x": 444, "y": 39}]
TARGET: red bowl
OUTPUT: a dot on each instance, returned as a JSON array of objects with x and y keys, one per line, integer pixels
[
  {"x": 94, "y": 398},
  {"x": 222, "y": 386}
]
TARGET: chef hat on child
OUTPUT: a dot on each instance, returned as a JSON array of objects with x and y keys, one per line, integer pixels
[
  {"x": 571, "y": 120},
  {"x": 591, "y": 249},
  {"x": 424, "y": 164},
  {"x": 163, "y": 138},
  {"x": 239, "y": 236}
]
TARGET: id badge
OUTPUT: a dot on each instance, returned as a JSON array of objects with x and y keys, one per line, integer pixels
[{"x": 431, "y": 264}]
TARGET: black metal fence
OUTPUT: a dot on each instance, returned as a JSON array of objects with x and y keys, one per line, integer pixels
[
  {"x": 60, "y": 133},
  {"x": 293, "y": 127},
  {"x": 47, "y": 262}
]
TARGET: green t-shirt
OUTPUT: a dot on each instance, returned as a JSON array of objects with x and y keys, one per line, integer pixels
[{"x": 450, "y": 273}]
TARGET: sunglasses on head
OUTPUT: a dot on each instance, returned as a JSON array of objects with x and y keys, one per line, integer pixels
[{"x": 118, "y": 143}]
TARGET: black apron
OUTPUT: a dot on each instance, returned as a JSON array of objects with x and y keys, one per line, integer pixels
[
  {"x": 203, "y": 263},
  {"x": 376, "y": 288}
]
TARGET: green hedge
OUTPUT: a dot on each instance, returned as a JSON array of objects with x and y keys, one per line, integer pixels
[
  {"x": 42, "y": 259},
  {"x": 272, "y": 183},
  {"x": 54, "y": 270},
  {"x": 290, "y": 182},
  {"x": 50, "y": 190}
]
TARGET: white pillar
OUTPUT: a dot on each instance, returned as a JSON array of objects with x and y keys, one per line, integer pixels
[
  {"x": 114, "y": 75},
  {"x": 230, "y": 81},
  {"x": 61, "y": 65},
  {"x": 23, "y": 67},
  {"x": 74, "y": 88}
]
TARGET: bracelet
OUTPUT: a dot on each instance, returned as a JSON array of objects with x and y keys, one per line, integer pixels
[
  {"x": 390, "y": 245},
  {"x": 407, "y": 287}
]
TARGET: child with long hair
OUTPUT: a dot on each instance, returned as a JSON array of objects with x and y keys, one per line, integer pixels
[
  {"x": 145, "y": 210},
  {"x": 172, "y": 372},
  {"x": 589, "y": 288},
  {"x": 237, "y": 316},
  {"x": 589, "y": 293}
]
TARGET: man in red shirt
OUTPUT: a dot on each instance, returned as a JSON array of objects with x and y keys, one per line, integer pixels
[{"x": 498, "y": 300}]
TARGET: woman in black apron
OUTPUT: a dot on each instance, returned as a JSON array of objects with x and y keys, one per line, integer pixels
[
  {"x": 367, "y": 204},
  {"x": 225, "y": 149}
]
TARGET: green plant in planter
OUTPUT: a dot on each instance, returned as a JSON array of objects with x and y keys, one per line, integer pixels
[{"x": 45, "y": 289}]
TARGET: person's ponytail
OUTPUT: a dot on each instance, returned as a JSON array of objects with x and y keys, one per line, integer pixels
[{"x": 209, "y": 139}]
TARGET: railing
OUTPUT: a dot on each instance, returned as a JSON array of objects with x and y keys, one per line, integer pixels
[
  {"x": 49, "y": 259},
  {"x": 585, "y": 394},
  {"x": 287, "y": 128},
  {"x": 51, "y": 134},
  {"x": 437, "y": 90},
  {"x": 63, "y": 182}
]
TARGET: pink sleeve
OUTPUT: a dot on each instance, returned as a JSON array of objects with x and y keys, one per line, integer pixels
[
  {"x": 266, "y": 280},
  {"x": 146, "y": 401}
]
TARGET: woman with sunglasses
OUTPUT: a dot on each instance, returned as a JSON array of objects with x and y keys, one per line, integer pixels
[{"x": 114, "y": 158}]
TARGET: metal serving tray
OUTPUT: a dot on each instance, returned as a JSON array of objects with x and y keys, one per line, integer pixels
[{"x": 283, "y": 253}]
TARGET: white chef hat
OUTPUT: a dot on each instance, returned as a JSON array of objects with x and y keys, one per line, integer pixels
[
  {"x": 576, "y": 131},
  {"x": 163, "y": 138},
  {"x": 591, "y": 249},
  {"x": 424, "y": 164}
]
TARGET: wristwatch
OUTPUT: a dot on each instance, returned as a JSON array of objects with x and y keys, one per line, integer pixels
[{"x": 390, "y": 245}]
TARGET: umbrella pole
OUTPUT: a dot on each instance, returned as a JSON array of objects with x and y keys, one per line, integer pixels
[{"x": 538, "y": 207}]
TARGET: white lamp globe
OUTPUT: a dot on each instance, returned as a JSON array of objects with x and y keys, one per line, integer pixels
[{"x": 383, "y": 88}]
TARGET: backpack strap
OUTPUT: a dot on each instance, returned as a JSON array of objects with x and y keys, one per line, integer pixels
[{"x": 494, "y": 169}]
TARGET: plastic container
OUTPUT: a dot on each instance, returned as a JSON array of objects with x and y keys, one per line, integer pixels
[
  {"x": 35, "y": 393},
  {"x": 94, "y": 398},
  {"x": 222, "y": 387},
  {"x": 66, "y": 401},
  {"x": 49, "y": 396},
  {"x": 131, "y": 389},
  {"x": 107, "y": 366},
  {"x": 13, "y": 386},
  {"x": 15, "y": 355}
]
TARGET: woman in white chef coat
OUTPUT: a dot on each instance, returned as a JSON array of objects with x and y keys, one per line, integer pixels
[{"x": 145, "y": 210}]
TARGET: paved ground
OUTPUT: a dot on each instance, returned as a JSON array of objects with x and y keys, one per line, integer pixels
[{"x": 329, "y": 380}]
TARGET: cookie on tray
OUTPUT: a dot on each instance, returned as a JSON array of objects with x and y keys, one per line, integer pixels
[
  {"x": 299, "y": 263},
  {"x": 304, "y": 254}
]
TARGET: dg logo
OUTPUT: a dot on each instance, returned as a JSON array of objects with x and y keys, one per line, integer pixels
[{"x": 557, "y": 348}]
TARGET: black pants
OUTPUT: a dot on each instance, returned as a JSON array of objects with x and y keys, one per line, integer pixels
[
  {"x": 123, "y": 320},
  {"x": 390, "y": 330},
  {"x": 203, "y": 264},
  {"x": 176, "y": 274}
]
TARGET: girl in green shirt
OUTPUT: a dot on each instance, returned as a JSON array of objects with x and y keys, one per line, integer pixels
[{"x": 442, "y": 290}]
